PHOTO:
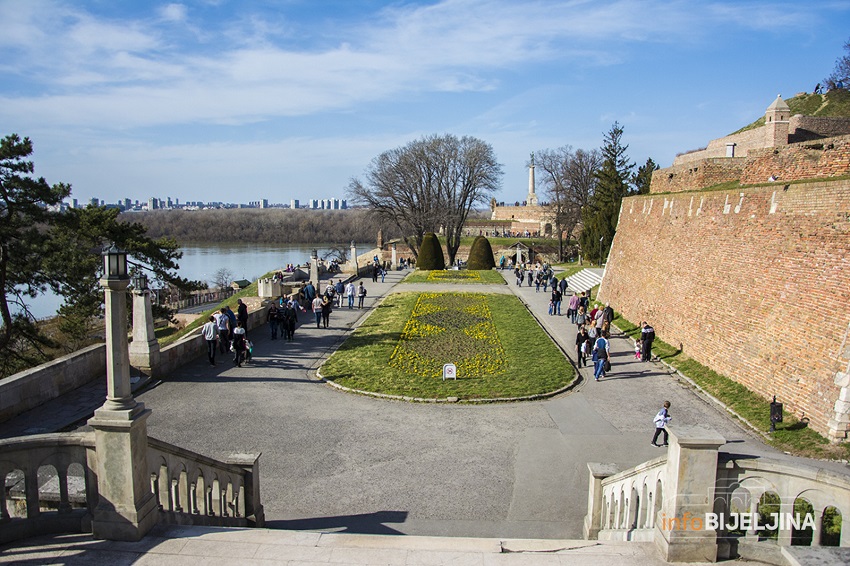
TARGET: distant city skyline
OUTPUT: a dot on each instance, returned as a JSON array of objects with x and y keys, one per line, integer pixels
[
  {"x": 156, "y": 203},
  {"x": 214, "y": 100}
]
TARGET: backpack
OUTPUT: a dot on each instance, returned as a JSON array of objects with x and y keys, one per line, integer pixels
[{"x": 601, "y": 348}]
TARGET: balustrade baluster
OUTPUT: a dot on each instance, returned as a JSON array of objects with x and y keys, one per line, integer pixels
[
  {"x": 193, "y": 498},
  {"x": 155, "y": 490},
  {"x": 209, "y": 502},
  {"x": 4, "y": 512},
  {"x": 31, "y": 491},
  {"x": 64, "y": 502},
  {"x": 175, "y": 496},
  {"x": 222, "y": 501}
]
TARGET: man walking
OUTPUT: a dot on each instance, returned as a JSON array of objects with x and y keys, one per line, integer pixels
[
  {"x": 647, "y": 335},
  {"x": 349, "y": 292},
  {"x": 223, "y": 323},
  {"x": 210, "y": 332}
]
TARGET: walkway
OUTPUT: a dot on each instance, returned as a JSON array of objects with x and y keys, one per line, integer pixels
[{"x": 336, "y": 462}]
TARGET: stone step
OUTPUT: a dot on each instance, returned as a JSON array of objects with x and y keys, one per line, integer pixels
[
  {"x": 195, "y": 545},
  {"x": 584, "y": 280}
]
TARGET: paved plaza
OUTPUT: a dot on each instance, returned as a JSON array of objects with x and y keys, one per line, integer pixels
[{"x": 334, "y": 462}]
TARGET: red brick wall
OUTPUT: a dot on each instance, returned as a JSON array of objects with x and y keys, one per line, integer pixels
[
  {"x": 829, "y": 157},
  {"x": 761, "y": 297},
  {"x": 700, "y": 174}
]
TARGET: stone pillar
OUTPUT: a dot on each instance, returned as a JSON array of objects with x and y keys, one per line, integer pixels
[
  {"x": 126, "y": 508},
  {"x": 314, "y": 271},
  {"x": 593, "y": 521},
  {"x": 144, "y": 349},
  {"x": 395, "y": 257},
  {"x": 353, "y": 260},
  {"x": 688, "y": 488},
  {"x": 839, "y": 423},
  {"x": 253, "y": 505}
]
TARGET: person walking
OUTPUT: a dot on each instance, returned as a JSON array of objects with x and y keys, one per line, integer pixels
[
  {"x": 327, "y": 304},
  {"x": 349, "y": 292},
  {"x": 238, "y": 343},
  {"x": 271, "y": 318},
  {"x": 339, "y": 289},
  {"x": 242, "y": 314},
  {"x": 361, "y": 294},
  {"x": 582, "y": 347},
  {"x": 602, "y": 353},
  {"x": 210, "y": 332},
  {"x": 661, "y": 419},
  {"x": 647, "y": 335},
  {"x": 556, "y": 301},
  {"x": 317, "y": 310},
  {"x": 223, "y": 323}
]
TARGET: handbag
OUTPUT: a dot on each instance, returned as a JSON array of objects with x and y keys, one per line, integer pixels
[{"x": 607, "y": 365}]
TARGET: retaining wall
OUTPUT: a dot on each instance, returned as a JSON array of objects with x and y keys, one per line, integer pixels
[{"x": 754, "y": 283}]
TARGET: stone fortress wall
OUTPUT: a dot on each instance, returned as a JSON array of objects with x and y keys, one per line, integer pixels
[{"x": 753, "y": 282}]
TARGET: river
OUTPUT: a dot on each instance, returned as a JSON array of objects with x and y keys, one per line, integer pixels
[{"x": 201, "y": 261}]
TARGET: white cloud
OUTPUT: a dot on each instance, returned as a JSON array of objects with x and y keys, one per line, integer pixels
[{"x": 174, "y": 12}]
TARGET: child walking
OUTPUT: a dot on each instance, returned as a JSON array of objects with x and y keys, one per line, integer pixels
[
  {"x": 638, "y": 348},
  {"x": 661, "y": 419}
]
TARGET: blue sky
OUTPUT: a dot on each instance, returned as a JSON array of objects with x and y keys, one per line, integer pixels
[{"x": 236, "y": 101}]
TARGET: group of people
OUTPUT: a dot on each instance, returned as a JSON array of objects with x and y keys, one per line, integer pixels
[
  {"x": 322, "y": 305},
  {"x": 226, "y": 330}
]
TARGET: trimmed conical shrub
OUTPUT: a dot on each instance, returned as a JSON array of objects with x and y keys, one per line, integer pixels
[
  {"x": 431, "y": 253},
  {"x": 481, "y": 254}
]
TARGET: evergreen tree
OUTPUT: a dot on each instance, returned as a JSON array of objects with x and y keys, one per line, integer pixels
[
  {"x": 481, "y": 254},
  {"x": 430, "y": 253},
  {"x": 599, "y": 217},
  {"x": 643, "y": 177}
]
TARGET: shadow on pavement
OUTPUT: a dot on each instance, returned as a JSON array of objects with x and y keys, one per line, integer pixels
[{"x": 366, "y": 523}]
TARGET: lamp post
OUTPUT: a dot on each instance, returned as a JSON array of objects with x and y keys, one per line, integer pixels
[
  {"x": 600, "y": 250},
  {"x": 126, "y": 509}
]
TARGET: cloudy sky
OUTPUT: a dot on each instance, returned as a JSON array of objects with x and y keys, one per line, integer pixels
[{"x": 220, "y": 100}]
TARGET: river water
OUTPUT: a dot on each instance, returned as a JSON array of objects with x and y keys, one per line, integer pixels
[{"x": 200, "y": 262}]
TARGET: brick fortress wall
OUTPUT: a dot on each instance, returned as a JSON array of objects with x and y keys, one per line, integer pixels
[
  {"x": 828, "y": 157},
  {"x": 754, "y": 283}
]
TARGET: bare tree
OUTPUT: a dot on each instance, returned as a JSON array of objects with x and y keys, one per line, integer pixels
[
  {"x": 568, "y": 180},
  {"x": 222, "y": 278},
  {"x": 428, "y": 185}
]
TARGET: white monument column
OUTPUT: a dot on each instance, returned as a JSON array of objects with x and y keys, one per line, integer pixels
[
  {"x": 531, "y": 200},
  {"x": 353, "y": 259},
  {"x": 395, "y": 256},
  {"x": 314, "y": 271},
  {"x": 126, "y": 508}
]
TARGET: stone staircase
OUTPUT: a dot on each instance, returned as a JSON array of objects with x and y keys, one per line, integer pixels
[
  {"x": 585, "y": 280},
  {"x": 171, "y": 544}
]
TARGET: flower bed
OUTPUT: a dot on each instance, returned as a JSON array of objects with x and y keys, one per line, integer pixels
[
  {"x": 499, "y": 349},
  {"x": 456, "y": 327}
]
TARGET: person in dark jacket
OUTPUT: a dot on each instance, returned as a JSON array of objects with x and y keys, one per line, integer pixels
[
  {"x": 647, "y": 335},
  {"x": 582, "y": 346}
]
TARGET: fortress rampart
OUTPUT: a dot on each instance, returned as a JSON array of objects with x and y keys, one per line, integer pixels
[
  {"x": 816, "y": 159},
  {"x": 753, "y": 283}
]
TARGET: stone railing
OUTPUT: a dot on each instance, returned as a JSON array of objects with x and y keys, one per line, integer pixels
[
  {"x": 626, "y": 502},
  {"x": 196, "y": 490},
  {"x": 749, "y": 485},
  {"x": 50, "y": 486},
  {"x": 685, "y": 501}
]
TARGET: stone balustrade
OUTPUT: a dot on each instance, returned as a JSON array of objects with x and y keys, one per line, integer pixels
[
  {"x": 50, "y": 486},
  {"x": 194, "y": 489},
  {"x": 688, "y": 500}
]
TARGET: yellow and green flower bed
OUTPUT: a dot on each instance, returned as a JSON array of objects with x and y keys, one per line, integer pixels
[
  {"x": 499, "y": 349},
  {"x": 455, "y": 276}
]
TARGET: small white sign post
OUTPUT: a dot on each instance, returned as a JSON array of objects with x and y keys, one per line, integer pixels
[{"x": 449, "y": 371}]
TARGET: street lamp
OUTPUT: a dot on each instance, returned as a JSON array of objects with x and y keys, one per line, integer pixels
[
  {"x": 114, "y": 263},
  {"x": 140, "y": 281},
  {"x": 600, "y": 250}
]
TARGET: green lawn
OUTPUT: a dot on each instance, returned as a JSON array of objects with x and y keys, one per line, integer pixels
[
  {"x": 455, "y": 276},
  {"x": 499, "y": 348},
  {"x": 791, "y": 435}
]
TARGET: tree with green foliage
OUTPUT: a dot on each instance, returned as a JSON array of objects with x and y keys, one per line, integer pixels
[
  {"x": 600, "y": 216},
  {"x": 26, "y": 210},
  {"x": 481, "y": 254},
  {"x": 430, "y": 184},
  {"x": 43, "y": 248},
  {"x": 430, "y": 253},
  {"x": 643, "y": 178}
]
